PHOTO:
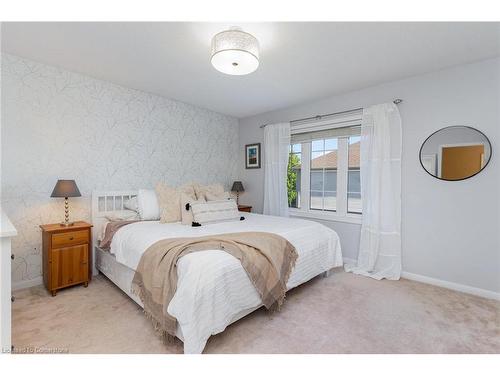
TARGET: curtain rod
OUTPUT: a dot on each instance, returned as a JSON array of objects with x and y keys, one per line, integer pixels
[{"x": 318, "y": 117}]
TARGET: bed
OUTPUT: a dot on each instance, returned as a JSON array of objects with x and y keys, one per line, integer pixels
[{"x": 213, "y": 289}]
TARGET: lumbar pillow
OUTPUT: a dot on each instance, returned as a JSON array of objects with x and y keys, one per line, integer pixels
[
  {"x": 186, "y": 212},
  {"x": 148, "y": 204},
  {"x": 214, "y": 211},
  {"x": 169, "y": 199},
  {"x": 217, "y": 197},
  {"x": 202, "y": 190}
]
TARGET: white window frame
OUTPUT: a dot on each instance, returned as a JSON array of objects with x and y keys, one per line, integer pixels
[{"x": 341, "y": 213}]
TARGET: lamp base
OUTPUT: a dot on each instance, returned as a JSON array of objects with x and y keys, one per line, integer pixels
[{"x": 66, "y": 224}]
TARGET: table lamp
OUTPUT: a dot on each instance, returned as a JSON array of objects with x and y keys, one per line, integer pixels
[
  {"x": 237, "y": 187},
  {"x": 65, "y": 189}
]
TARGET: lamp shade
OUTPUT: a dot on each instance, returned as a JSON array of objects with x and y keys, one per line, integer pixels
[
  {"x": 65, "y": 189},
  {"x": 235, "y": 52},
  {"x": 237, "y": 186}
]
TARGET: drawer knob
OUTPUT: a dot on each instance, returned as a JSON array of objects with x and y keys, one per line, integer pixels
[
  {"x": 12, "y": 299},
  {"x": 71, "y": 238},
  {"x": 12, "y": 256}
]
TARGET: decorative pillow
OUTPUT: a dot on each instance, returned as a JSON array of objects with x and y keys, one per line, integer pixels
[
  {"x": 122, "y": 215},
  {"x": 169, "y": 199},
  {"x": 148, "y": 204},
  {"x": 186, "y": 212},
  {"x": 132, "y": 204},
  {"x": 202, "y": 190},
  {"x": 215, "y": 211},
  {"x": 217, "y": 197}
]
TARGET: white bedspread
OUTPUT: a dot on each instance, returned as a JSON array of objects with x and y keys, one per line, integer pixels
[{"x": 213, "y": 287}]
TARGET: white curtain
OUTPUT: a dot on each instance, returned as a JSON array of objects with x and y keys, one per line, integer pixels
[
  {"x": 276, "y": 143},
  {"x": 380, "y": 242}
]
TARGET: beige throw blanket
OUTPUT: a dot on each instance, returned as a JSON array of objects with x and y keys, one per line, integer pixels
[{"x": 267, "y": 258}]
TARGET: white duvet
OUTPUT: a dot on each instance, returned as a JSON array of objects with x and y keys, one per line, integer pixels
[{"x": 213, "y": 288}]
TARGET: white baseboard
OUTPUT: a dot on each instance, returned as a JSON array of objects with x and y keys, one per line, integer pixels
[
  {"x": 349, "y": 260},
  {"x": 27, "y": 283},
  {"x": 443, "y": 283},
  {"x": 451, "y": 285}
]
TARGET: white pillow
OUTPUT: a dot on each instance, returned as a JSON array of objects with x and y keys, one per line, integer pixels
[
  {"x": 202, "y": 190},
  {"x": 132, "y": 204},
  {"x": 186, "y": 213},
  {"x": 122, "y": 215},
  {"x": 148, "y": 204},
  {"x": 209, "y": 196},
  {"x": 215, "y": 211}
]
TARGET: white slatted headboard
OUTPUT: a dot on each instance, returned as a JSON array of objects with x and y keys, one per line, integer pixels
[{"x": 106, "y": 203}]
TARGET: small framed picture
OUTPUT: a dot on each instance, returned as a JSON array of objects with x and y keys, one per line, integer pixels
[{"x": 252, "y": 156}]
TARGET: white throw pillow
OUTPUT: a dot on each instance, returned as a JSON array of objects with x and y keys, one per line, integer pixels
[
  {"x": 132, "y": 204},
  {"x": 187, "y": 213},
  {"x": 122, "y": 215},
  {"x": 148, "y": 204},
  {"x": 215, "y": 211}
]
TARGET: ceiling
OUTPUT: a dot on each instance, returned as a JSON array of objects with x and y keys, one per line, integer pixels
[{"x": 300, "y": 62}]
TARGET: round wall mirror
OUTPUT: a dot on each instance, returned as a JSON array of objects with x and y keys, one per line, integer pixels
[{"x": 455, "y": 153}]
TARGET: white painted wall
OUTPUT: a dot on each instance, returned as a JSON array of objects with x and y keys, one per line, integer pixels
[
  {"x": 450, "y": 230},
  {"x": 58, "y": 124}
]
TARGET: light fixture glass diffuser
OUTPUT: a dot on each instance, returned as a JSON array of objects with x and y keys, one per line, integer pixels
[{"x": 235, "y": 52}]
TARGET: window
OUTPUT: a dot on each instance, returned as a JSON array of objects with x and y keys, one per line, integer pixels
[
  {"x": 293, "y": 178},
  {"x": 323, "y": 193},
  {"x": 354, "y": 178},
  {"x": 324, "y": 171}
]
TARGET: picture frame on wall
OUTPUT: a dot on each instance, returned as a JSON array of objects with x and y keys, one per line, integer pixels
[{"x": 252, "y": 156}]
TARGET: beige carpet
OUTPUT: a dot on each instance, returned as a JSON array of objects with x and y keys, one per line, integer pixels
[{"x": 340, "y": 314}]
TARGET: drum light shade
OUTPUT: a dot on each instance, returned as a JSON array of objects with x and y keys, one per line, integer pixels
[{"x": 235, "y": 52}]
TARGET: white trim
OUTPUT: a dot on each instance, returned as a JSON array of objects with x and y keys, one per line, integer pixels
[
  {"x": 341, "y": 121},
  {"x": 23, "y": 284},
  {"x": 442, "y": 283},
  {"x": 326, "y": 216},
  {"x": 349, "y": 260},
  {"x": 451, "y": 285}
]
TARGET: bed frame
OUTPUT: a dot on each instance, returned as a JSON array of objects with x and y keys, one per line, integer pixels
[
  {"x": 109, "y": 202},
  {"x": 105, "y": 203}
]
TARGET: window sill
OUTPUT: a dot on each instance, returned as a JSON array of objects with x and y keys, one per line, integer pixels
[{"x": 327, "y": 216}]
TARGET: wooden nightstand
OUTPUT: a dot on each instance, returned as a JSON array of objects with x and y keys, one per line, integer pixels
[
  {"x": 244, "y": 208},
  {"x": 67, "y": 256}
]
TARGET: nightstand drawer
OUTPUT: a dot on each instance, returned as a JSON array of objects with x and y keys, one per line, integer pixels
[{"x": 70, "y": 238}]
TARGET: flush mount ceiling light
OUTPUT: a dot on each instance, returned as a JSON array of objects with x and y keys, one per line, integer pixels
[{"x": 235, "y": 52}]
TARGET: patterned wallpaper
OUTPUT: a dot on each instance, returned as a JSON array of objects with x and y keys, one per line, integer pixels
[{"x": 58, "y": 124}]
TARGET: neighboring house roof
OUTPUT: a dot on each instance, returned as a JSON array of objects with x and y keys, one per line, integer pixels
[{"x": 329, "y": 160}]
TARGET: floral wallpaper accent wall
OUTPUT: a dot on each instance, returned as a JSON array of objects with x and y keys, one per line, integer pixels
[{"x": 61, "y": 125}]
